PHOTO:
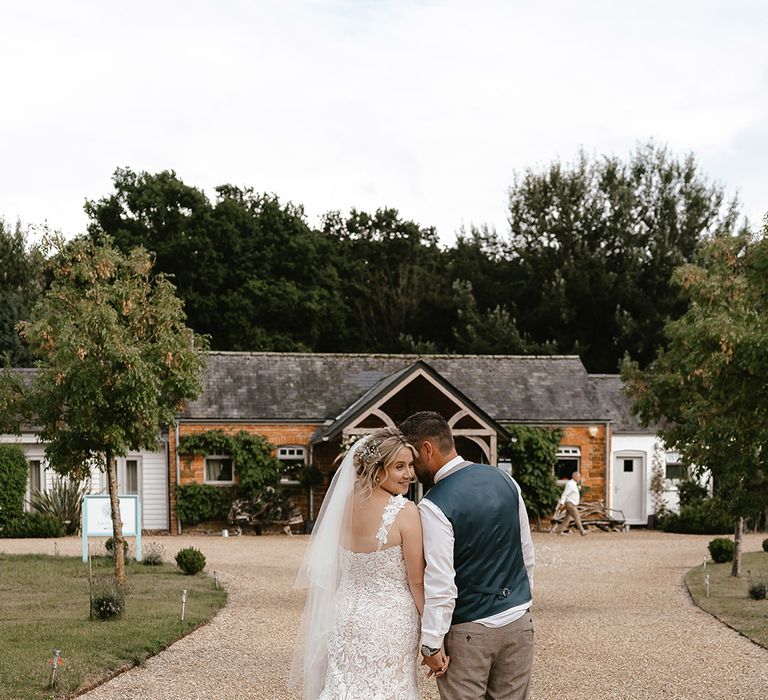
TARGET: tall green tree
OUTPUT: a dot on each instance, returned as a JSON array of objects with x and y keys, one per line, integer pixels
[
  {"x": 393, "y": 283},
  {"x": 709, "y": 387},
  {"x": 593, "y": 246},
  {"x": 21, "y": 284},
  {"x": 116, "y": 361},
  {"x": 251, "y": 272}
]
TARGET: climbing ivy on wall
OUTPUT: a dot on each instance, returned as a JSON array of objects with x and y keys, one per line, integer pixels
[
  {"x": 252, "y": 457},
  {"x": 532, "y": 452}
]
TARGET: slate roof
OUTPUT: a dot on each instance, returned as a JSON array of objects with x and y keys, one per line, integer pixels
[
  {"x": 611, "y": 396},
  {"x": 317, "y": 387}
]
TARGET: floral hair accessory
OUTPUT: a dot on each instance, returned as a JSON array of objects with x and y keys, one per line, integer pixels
[{"x": 369, "y": 451}]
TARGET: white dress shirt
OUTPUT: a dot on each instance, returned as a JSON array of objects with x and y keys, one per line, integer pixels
[
  {"x": 440, "y": 590},
  {"x": 570, "y": 493}
]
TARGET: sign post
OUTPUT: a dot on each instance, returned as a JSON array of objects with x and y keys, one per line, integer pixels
[{"x": 97, "y": 520}]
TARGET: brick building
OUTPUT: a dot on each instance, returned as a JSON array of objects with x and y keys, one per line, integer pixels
[{"x": 308, "y": 405}]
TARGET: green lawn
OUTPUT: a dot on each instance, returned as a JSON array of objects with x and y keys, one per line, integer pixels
[
  {"x": 44, "y": 605},
  {"x": 728, "y": 599}
]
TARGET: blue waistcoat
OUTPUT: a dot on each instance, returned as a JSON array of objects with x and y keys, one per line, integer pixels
[{"x": 482, "y": 505}]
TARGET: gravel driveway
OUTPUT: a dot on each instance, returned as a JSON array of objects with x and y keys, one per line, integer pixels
[{"x": 613, "y": 620}]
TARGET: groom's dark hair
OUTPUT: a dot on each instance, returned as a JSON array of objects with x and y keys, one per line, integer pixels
[{"x": 428, "y": 425}]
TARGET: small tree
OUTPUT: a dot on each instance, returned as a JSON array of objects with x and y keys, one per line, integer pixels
[
  {"x": 13, "y": 482},
  {"x": 116, "y": 361},
  {"x": 709, "y": 388},
  {"x": 533, "y": 454}
]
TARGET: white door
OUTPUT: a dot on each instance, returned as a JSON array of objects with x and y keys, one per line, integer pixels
[{"x": 629, "y": 487}]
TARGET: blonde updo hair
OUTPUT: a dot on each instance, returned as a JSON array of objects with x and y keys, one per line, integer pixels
[{"x": 375, "y": 455}]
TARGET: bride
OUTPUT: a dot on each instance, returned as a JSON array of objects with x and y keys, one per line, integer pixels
[{"x": 365, "y": 570}]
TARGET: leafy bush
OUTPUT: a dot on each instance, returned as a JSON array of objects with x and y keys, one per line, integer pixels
[
  {"x": 190, "y": 560},
  {"x": 703, "y": 517},
  {"x": 108, "y": 600},
  {"x": 721, "y": 550},
  {"x": 690, "y": 491},
  {"x": 64, "y": 501},
  {"x": 196, "y": 502},
  {"x": 765, "y": 545},
  {"x": 13, "y": 482},
  {"x": 109, "y": 545},
  {"x": 758, "y": 590},
  {"x": 33, "y": 525},
  {"x": 153, "y": 554}
]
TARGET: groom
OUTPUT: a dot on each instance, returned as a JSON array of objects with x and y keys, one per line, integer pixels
[{"x": 478, "y": 578}]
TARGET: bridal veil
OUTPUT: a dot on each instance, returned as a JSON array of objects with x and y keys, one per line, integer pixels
[{"x": 320, "y": 572}]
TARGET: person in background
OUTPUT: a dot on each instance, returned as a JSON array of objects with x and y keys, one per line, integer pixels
[{"x": 570, "y": 499}]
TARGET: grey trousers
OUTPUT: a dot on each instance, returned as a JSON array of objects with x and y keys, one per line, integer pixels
[{"x": 488, "y": 663}]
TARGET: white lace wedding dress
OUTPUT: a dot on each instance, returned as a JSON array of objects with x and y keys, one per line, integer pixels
[{"x": 373, "y": 645}]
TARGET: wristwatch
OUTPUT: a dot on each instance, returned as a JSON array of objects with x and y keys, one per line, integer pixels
[{"x": 428, "y": 651}]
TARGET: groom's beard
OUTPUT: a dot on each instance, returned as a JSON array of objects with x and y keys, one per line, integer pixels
[{"x": 426, "y": 480}]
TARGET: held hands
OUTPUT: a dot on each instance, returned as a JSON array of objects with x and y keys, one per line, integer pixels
[{"x": 437, "y": 664}]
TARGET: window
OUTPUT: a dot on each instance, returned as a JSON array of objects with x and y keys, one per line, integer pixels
[
  {"x": 568, "y": 459},
  {"x": 294, "y": 457},
  {"x": 131, "y": 477},
  {"x": 35, "y": 482},
  {"x": 674, "y": 470},
  {"x": 218, "y": 470},
  {"x": 629, "y": 465}
]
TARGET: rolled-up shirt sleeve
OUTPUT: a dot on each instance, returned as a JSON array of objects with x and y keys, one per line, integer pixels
[{"x": 439, "y": 575}]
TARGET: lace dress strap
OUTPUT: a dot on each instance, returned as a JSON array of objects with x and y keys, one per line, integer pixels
[{"x": 393, "y": 507}]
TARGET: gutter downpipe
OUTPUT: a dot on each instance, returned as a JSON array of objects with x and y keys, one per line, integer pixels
[
  {"x": 608, "y": 467},
  {"x": 178, "y": 475}
]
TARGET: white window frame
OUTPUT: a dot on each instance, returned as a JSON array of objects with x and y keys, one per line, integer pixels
[
  {"x": 672, "y": 458},
  {"x": 218, "y": 483},
  {"x": 568, "y": 452},
  {"x": 284, "y": 456},
  {"x": 123, "y": 475},
  {"x": 40, "y": 476}
]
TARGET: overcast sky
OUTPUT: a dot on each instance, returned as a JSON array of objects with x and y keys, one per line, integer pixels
[{"x": 429, "y": 107}]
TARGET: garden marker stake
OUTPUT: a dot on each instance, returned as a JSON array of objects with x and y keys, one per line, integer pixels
[
  {"x": 183, "y": 603},
  {"x": 56, "y": 548},
  {"x": 706, "y": 584},
  {"x": 55, "y": 662},
  {"x": 216, "y": 579}
]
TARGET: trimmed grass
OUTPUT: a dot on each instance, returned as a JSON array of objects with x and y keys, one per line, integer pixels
[
  {"x": 728, "y": 599},
  {"x": 44, "y": 605}
]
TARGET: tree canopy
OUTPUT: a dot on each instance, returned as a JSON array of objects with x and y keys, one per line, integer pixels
[
  {"x": 583, "y": 268},
  {"x": 21, "y": 284},
  {"x": 709, "y": 387}
]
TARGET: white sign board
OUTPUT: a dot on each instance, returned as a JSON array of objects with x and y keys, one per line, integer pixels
[{"x": 97, "y": 520}]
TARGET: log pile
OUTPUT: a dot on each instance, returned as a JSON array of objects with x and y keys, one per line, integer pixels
[{"x": 593, "y": 513}]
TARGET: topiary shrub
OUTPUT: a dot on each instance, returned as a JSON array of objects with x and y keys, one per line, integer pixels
[
  {"x": 721, "y": 550},
  {"x": 109, "y": 545},
  {"x": 196, "y": 502},
  {"x": 190, "y": 560},
  {"x": 758, "y": 590},
  {"x": 13, "y": 483},
  {"x": 765, "y": 545},
  {"x": 33, "y": 525}
]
